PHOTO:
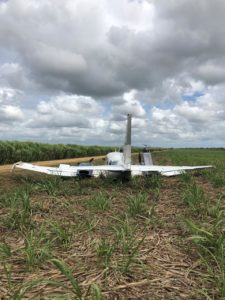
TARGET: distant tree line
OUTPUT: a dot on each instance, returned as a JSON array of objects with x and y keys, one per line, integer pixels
[{"x": 13, "y": 151}]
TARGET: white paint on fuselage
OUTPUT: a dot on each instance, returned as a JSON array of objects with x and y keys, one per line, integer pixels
[
  {"x": 114, "y": 159},
  {"x": 117, "y": 158}
]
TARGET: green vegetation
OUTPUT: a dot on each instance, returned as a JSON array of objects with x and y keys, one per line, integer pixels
[
  {"x": 37, "y": 248},
  {"x": 215, "y": 157},
  {"x": 137, "y": 204},
  {"x": 93, "y": 291},
  {"x": 205, "y": 225},
  {"x": 104, "y": 252},
  {"x": 207, "y": 235},
  {"x": 12, "y": 152},
  {"x": 61, "y": 233},
  {"x": 194, "y": 197},
  {"x": 19, "y": 206},
  {"x": 191, "y": 156},
  {"x": 99, "y": 202},
  {"x": 149, "y": 238}
]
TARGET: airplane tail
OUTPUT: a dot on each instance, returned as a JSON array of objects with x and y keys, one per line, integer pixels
[
  {"x": 127, "y": 144},
  {"x": 147, "y": 157}
]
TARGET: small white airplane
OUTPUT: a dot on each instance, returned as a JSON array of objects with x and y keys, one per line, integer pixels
[{"x": 117, "y": 164}]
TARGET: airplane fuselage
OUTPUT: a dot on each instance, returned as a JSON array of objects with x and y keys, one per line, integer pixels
[{"x": 116, "y": 159}]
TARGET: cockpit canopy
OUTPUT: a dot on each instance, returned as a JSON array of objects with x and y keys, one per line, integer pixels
[
  {"x": 114, "y": 158},
  {"x": 113, "y": 162}
]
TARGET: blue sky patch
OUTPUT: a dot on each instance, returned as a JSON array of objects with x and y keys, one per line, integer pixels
[{"x": 194, "y": 96}]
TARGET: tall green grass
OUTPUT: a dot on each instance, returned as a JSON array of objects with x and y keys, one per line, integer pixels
[
  {"x": 191, "y": 156},
  {"x": 13, "y": 151}
]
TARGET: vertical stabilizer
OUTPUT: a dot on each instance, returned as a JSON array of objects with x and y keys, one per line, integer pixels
[
  {"x": 147, "y": 158},
  {"x": 127, "y": 145}
]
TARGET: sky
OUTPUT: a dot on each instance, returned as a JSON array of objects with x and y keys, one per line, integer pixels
[{"x": 70, "y": 71}]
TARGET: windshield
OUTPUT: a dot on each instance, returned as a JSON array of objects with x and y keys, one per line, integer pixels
[{"x": 113, "y": 162}]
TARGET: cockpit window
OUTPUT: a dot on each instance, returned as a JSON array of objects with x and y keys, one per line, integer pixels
[{"x": 113, "y": 162}]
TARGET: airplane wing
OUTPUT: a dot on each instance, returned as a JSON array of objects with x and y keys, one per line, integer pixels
[
  {"x": 71, "y": 171},
  {"x": 166, "y": 170},
  {"x": 65, "y": 170},
  {"x": 31, "y": 167}
]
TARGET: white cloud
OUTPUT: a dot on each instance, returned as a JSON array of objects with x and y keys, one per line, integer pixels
[
  {"x": 10, "y": 113},
  {"x": 72, "y": 104},
  {"x": 58, "y": 61},
  {"x": 73, "y": 70},
  {"x": 136, "y": 15},
  {"x": 212, "y": 72},
  {"x": 8, "y": 95},
  {"x": 129, "y": 104},
  {"x": 66, "y": 111},
  {"x": 192, "y": 122}
]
